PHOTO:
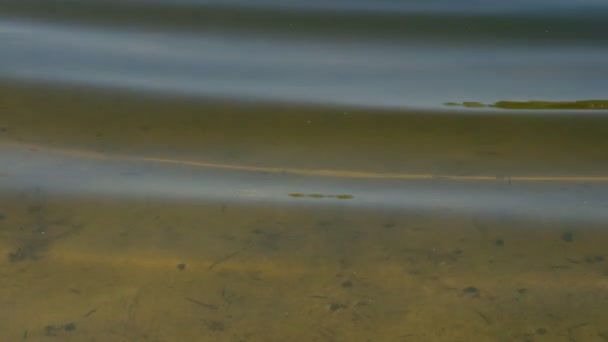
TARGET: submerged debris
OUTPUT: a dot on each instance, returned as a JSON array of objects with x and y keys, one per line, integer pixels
[{"x": 52, "y": 330}]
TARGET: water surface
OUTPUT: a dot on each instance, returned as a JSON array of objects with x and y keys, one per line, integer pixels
[{"x": 290, "y": 171}]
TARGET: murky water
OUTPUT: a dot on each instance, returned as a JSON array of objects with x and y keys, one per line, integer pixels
[{"x": 318, "y": 171}]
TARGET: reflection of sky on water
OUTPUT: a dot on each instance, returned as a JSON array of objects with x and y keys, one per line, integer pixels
[
  {"x": 68, "y": 175},
  {"x": 333, "y": 72},
  {"x": 375, "y": 6}
]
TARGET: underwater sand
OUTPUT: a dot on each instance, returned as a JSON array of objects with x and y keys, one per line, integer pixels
[{"x": 130, "y": 218}]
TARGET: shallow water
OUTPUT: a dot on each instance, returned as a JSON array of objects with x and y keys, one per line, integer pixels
[
  {"x": 169, "y": 271},
  {"x": 303, "y": 171},
  {"x": 129, "y": 217}
]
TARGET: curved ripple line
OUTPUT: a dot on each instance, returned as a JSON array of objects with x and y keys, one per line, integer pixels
[{"x": 307, "y": 172}]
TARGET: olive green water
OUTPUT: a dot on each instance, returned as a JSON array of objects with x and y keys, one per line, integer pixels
[{"x": 334, "y": 256}]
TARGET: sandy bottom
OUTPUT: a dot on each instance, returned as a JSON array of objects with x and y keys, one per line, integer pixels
[
  {"x": 106, "y": 235},
  {"x": 78, "y": 269}
]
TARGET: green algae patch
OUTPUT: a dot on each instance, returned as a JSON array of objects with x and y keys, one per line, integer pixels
[
  {"x": 551, "y": 105},
  {"x": 319, "y": 196},
  {"x": 588, "y": 104},
  {"x": 468, "y": 104},
  {"x": 473, "y": 104}
]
